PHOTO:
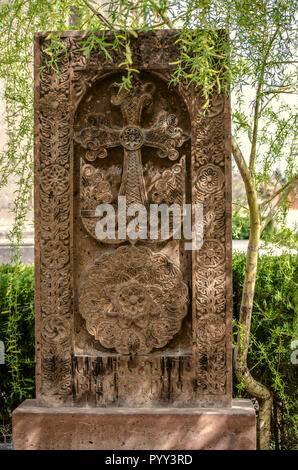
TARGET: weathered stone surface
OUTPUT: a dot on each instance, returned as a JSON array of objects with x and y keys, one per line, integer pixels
[
  {"x": 133, "y": 337},
  {"x": 94, "y": 347},
  {"x": 70, "y": 428}
]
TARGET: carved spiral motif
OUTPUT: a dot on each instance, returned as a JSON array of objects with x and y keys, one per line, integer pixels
[
  {"x": 55, "y": 329},
  {"x": 133, "y": 300},
  {"x": 54, "y": 179},
  {"x": 54, "y": 254},
  {"x": 169, "y": 187},
  {"x": 210, "y": 179},
  {"x": 95, "y": 189},
  {"x": 132, "y": 138},
  {"x": 211, "y": 329},
  {"x": 211, "y": 254},
  {"x": 92, "y": 155}
]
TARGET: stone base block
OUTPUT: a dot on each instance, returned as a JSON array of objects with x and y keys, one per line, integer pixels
[{"x": 72, "y": 428}]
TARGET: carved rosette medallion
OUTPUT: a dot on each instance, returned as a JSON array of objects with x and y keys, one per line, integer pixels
[
  {"x": 212, "y": 329},
  {"x": 132, "y": 138},
  {"x": 212, "y": 255},
  {"x": 133, "y": 300},
  {"x": 210, "y": 178}
]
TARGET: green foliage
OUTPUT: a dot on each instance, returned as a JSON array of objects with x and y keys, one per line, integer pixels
[
  {"x": 240, "y": 225},
  {"x": 17, "y": 333},
  {"x": 276, "y": 233},
  {"x": 280, "y": 235},
  {"x": 259, "y": 54},
  {"x": 274, "y": 327}
]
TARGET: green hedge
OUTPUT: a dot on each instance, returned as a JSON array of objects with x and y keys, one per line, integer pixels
[
  {"x": 17, "y": 375},
  {"x": 274, "y": 326}
]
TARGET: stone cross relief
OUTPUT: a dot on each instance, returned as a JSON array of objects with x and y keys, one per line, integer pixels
[
  {"x": 164, "y": 135},
  {"x": 129, "y": 306}
]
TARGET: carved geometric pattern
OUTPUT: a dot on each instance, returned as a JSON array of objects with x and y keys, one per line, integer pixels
[
  {"x": 210, "y": 178},
  {"x": 168, "y": 188},
  {"x": 57, "y": 96},
  {"x": 165, "y": 135},
  {"x": 54, "y": 377},
  {"x": 133, "y": 300},
  {"x": 210, "y": 286},
  {"x": 212, "y": 254}
]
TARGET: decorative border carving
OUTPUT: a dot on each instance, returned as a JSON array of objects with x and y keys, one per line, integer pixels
[
  {"x": 53, "y": 196},
  {"x": 211, "y": 264},
  {"x": 56, "y": 97}
]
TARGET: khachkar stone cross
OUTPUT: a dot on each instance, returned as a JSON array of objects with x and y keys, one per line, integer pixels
[
  {"x": 163, "y": 135},
  {"x": 130, "y": 306}
]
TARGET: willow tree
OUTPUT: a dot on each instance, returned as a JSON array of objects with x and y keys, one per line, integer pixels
[{"x": 255, "y": 58}]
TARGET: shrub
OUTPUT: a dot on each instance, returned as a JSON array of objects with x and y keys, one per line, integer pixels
[
  {"x": 17, "y": 332},
  {"x": 274, "y": 327},
  {"x": 240, "y": 225}
]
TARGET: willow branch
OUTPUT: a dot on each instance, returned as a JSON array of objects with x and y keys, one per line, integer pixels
[
  {"x": 242, "y": 166},
  {"x": 257, "y": 105},
  {"x": 163, "y": 16},
  {"x": 287, "y": 90},
  {"x": 266, "y": 104},
  {"x": 278, "y": 205},
  {"x": 292, "y": 180},
  {"x": 240, "y": 205},
  {"x": 248, "y": 127},
  {"x": 98, "y": 14}
]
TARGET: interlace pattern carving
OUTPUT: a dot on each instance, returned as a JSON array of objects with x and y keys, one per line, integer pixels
[
  {"x": 133, "y": 300},
  {"x": 56, "y": 98},
  {"x": 165, "y": 135},
  {"x": 210, "y": 289},
  {"x": 53, "y": 269}
]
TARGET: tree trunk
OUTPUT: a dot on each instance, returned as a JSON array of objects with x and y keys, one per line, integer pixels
[{"x": 253, "y": 387}]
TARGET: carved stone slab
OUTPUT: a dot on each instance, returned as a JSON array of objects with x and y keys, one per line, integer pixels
[{"x": 125, "y": 322}]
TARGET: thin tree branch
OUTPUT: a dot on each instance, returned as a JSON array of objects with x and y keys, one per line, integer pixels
[
  {"x": 279, "y": 90},
  {"x": 266, "y": 104},
  {"x": 173, "y": 23},
  {"x": 278, "y": 205},
  {"x": 257, "y": 105},
  {"x": 240, "y": 205},
  {"x": 241, "y": 163},
  {"x": 163, "y": 16},
  {"x": 245, "y": 124},
  {"x": 257, "y": 389},
  {"x": 264, "y": 203},
  {"x": 98, "y": 14}
]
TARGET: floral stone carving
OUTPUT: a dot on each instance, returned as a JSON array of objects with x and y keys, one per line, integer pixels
[
  {"x": 164, "y": 135},
  {"x": 133, "y": 300},
  {"x": 92, "y": 145}
]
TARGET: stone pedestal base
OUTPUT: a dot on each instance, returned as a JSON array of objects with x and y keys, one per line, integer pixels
[{"x": 72, "y": 428}]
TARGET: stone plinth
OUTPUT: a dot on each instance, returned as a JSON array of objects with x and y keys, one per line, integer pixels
[{"x": 72, "y": 428}]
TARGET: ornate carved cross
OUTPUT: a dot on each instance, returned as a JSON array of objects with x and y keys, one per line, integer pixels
[{"x": 164, "y": 135}]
